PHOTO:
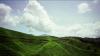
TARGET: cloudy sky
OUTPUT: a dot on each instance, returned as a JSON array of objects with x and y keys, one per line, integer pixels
[{"x": 53, "y": 17}]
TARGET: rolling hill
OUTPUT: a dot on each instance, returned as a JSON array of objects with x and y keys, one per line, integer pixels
[{"x": 13, "y": 43}]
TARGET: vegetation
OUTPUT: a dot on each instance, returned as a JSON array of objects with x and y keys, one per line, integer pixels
[{"x": 13, "y": 43}]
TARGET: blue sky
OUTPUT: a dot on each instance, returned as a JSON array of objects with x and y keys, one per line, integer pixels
[
  {"x": 15, "y": 4},
  {"x": 63, "y": 13},
  {"x": 66, "y": 12}
]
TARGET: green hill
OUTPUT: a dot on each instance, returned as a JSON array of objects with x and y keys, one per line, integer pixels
[{"x": 13, "y": 43}]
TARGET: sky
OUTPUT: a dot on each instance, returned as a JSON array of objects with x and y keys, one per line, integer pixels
[{"x": 52, "y": 17}]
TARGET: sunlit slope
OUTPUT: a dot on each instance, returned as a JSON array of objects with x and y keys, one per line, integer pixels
[{"x": 14, "y": 43}]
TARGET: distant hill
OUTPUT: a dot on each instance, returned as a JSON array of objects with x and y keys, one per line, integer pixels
[{"x": 13, "y": 43}]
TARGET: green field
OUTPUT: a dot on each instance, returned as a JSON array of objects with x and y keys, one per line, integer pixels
[{"x": 13, "y": 43}]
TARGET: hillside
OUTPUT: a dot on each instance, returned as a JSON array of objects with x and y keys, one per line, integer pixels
[{"x": 13, "y": 43}]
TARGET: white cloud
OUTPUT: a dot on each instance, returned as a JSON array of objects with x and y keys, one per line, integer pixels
[
  {"x": 4, "y": 11},
  {"x": 36, "y": 17},
  {"x": 82, "y": 30},
  {"x": 83, "y": 8},
  {"x": 6, "y": 20},
  {"x": 95, "y": 1}
]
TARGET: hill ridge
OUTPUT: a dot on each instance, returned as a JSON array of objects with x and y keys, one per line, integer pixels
[{"x": 13, "y": 43}]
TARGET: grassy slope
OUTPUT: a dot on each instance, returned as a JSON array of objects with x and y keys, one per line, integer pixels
[{"x": 14, "y": 43}]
